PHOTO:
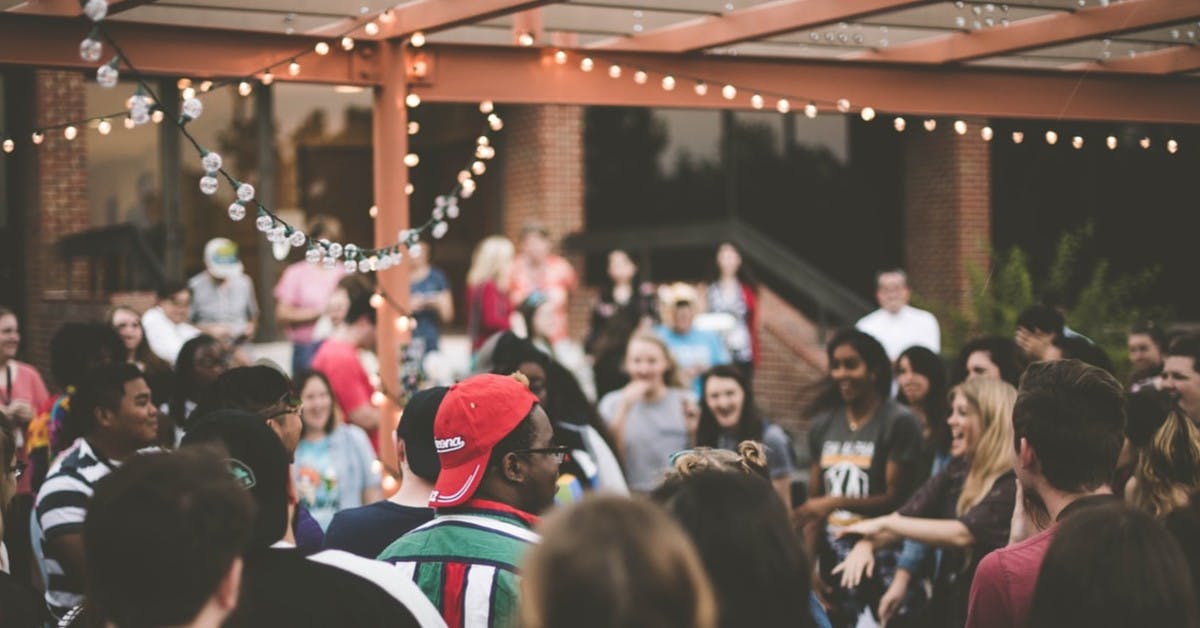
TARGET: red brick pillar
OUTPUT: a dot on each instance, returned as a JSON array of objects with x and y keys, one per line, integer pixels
[
  {"x": 57, "y": 292},
  {"x": 543, "y": 180},
  {"x": 947, "y": 209}
]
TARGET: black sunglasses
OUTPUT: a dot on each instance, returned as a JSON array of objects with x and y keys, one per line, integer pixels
[{"x": 558, "y": 452}]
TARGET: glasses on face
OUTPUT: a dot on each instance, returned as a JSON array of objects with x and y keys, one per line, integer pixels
[
  {"x": 558, "y": 452},
  {"x": 17, "y": 469}
]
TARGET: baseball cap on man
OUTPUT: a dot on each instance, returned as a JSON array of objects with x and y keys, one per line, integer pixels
[
  {"x": 221, "y": 258},
  {"x": 476, "y": 414},
  {"x": 416, "y": 430}
]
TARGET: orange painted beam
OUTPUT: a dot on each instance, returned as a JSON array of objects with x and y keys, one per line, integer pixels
[
  {"x": 433, "y": 15},
  {"x": 764, "y": 20},
  {"x": 71, "y": 8},
  {"x": 1176, "y": 60},
  {"x": 1041, "y": 32},
  {"x": 183, "y": 51},
  {"x": 530, "y": 76}
]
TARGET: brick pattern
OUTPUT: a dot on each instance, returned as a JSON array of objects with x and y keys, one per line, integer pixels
[
  {"x": 57, "y": 292},
  {"x": 792, "y": 367},
  {"x": 947, "y": 210}
]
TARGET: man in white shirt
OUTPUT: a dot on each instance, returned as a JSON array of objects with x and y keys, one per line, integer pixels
[
  {"x": 896, "y": 324},
  {"x": 166, "y": 325}
]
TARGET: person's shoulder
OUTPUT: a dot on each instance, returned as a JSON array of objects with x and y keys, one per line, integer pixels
[
  {"x": 869, "y": 320},
  {"x": 917, "y": 313},
  {"x": 199, "y": 278},
  {"x": 774, "y": 434},
  {"x": 386, "y": 578},
  {"x": 896, "y": 412}
]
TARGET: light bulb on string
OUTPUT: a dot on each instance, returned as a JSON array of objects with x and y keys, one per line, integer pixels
[
  {"x": 1018, "y": 137},
  {"x": 408, "y": 189},
  {"x": 586, "y": 64},
  {"x": 373, "y": 212},
  {"x": 412, "y": 159},
  {"x": 525, "y": 39},
  {"x": 129, "y": 123},
  {"x": 205, "y": 86},
  {"x": 244, "y": 88},
  {"x": 157, "y": 116},
  {"x": 104, "y": 127},
  {"x": 756, "y": 101},
  {"x": 1172, "y": 146},
  {"x": 236, "y": 211},
  {"x": 293, "y": 68},
  {"x": 188, "y": 92},
  {"x": 1077, "y": 142},
  {"x": 377, "y": 302},
  {"x": 37, "y": 137},
  {"x": 482, "y": 140},
  {"x": 960, "y": 127},
  {"x": 321, "y": 48},
  {"x": 371, "y": 29},
  {"x": 867, "y": 114},
  {"x": 701, "y": 88},
  {"x": 268, "y": 78},
  {"x": 930, "y": 124},
  {"x": 729, "y": 92},
  {"x": 668, "y": 83},
  {"x": 986, "y": 133},
  {"x": 412, "y": 100},
  {"x": 843, "y": 105},
  {"x": 478, "y": 167},
  {"x": 414, "y": 127},
  {"x": 487, "y": 106},
  {"x": 1111, "y": 142},
  {"x": 1145, "y": 143},
  {"x": 9, "y": 145},
  {"x": 347, "y": 43},
  {"x": 417, "y": 40},
  {"x": 899, "y": 124},
  {"x": 810, "y": 110},
  {"x": 463, "y": 175},
  {"x": 614, "y": 71},
  {"x": 1051, "y": 138},
  {"x": 640, "y": 77},
  {"x": 783, "y": 106},
  {"x": 70, "y": 132},
  {"x": 560, "y": 57},
  {"x": 494, "y": 122},
  {"x": 468, "y": 189}
]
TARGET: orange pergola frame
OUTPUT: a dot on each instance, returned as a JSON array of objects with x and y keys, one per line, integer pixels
[{"x": 924, "y": 78}]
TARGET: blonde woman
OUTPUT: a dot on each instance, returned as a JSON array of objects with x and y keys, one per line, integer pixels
[
  {"x": 966, "y": 509},
  {"x": 1169, "y": 469},
  {"x": 489, "y": 310}
]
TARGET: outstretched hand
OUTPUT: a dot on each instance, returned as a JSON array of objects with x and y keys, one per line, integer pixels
[{"x": 858, "y": 565}]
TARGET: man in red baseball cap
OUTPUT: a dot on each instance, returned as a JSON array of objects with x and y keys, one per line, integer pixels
[{"x": 499, "y": 466}]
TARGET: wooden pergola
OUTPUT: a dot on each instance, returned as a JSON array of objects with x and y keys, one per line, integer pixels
[{"x": 1099, "y": 60}]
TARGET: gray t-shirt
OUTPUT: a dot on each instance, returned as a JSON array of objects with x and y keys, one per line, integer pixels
[
  {"x": 777, "y": 444},
  {"x": 854, "y": 463},
  {"x": 230, "y": 302},
  {"x": 653, "y": 431}
]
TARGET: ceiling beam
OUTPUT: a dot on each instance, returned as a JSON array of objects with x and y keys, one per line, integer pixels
[
  {"x": 71, "y": 8},
  {"x": 434, "y": 15},
  {"x": 1175, "y": 60},
  {"x": 529, "y": 76},
  {"x": 764, "y": 20},
  {"x": 1041, "y": 32},
  {"x": 201, "y": 53}
]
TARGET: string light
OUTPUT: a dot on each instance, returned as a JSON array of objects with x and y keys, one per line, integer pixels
[
  {"x": 412, "y": 159},
  {"x": 614, "y": 71},
  {"x": 899, "y": 124},
  {"x": 188, "y": 92},
  {"x": 294, "y": 68},
  {"x": 129, "y": 123},
  {"x": 783, "y": 106},
  {"x": 412, "y": 100},
  {"x": 756, "y": 101},
  {"x": 268, "y": 78},
  {"x": 930, "y": 124},
  {"x": 347, "y": 43},
  {"x": 377, "y": 302},
  {"x": 1145, "y": 142},
  {"x": 9, "y": 145},
  {"x": 1018, "y": 137},
  {"x": 1051, "y": 138},
  {"x": 244, "y": 88},
  {"x": 525, "y": 39},
  {"x": 1111, "y": 142},
  {"x": 986, "y": 133},
  {"x": 701, "y": 88},
  {"x": 371, "y": 29},
  {"x": 321, "y": 48},
  {"x": 104, "y": 127},
  {"x": 867, "y": 114},
  {"x": 843, "y": 105},
  {"x": 205, "y": 86},
  {"x": 70, "y": 132},
  {"x": 960, "y": 127},
  {"x": 729, "y": 92},
  {"x": 560, "y": 57},
  {"x": 486, "y": 107},
  {"x": 157, "y": 116},
  {"x": 417, "y": 40},
  {"x": 414, "y": 127},
  {"x": 37, "y": 137},
  {"x": 586, "y": 64},
  {"x": 373, "y": 211},
  {"x": 668, "y": 83},
  {"x": 1172, "y": 146},
  {"x": 810, "y": 110},
  {"x": 1077, "y": 142},
  {"x": 639, "y": 77}
]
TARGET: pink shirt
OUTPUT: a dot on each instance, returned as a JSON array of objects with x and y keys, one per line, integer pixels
[
  {"x": 554, "y": 278},
  {"x": 307, "y": 286},
  {"x": 27, "y": 386},
  {"x": 352, "y": 387},
  {"x": 1002, "y": 591}
]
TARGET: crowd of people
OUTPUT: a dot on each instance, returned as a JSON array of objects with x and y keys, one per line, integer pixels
[{"x": 172, "y": 480}]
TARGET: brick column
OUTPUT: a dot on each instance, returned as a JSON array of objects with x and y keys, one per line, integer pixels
[
  {"x": 947, "y": 209},
  {"x": 61, "y": 208},
  {"x": 542, "y": 178}
]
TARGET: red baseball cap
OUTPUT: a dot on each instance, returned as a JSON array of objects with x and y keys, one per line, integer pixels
[{"x": 476, "y": 413}]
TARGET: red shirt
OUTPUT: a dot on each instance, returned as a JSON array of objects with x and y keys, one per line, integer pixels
[
  {"x": 352, "y": 388},
  {"x": 1002, "y": 592}
]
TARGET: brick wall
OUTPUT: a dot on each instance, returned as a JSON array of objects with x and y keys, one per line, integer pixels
[
  {"x": 792, "y": 366},
  {"x": 542, "y": 173},
  {"x": 947, "y": 210},
  {"x": 57, "y": 292}
]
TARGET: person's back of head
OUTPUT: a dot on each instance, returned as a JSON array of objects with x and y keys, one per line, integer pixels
[
  {"x": 77, "y": 348},
  {"x": 416, "y": 432},
  {"x": 613, "y": 561},
  {"x": 1072, "y": 415},
  {"x": 1084, "y": 350},
  {"x": 169, "y": 289},
  {"x": 1042, "y": 318},
  {"x": 748, "y": 547},
  {"x": 163, "y": 540},
  {"x": 1184, "y": 525},
  {"x": 360, "y": 309},
  {"x": 1113, "y": 566},
  {"x": 254, "y": 389},
  {"x": 1145, "y": 412},
  {"x": 257, "y": 460},
  {"x": 750, "y": 458}
]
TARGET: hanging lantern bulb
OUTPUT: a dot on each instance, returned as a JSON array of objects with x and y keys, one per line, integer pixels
[
  {"x": 1145, "y": 142},
  {"x": 756, "y": 101},
  {"x": 867, "y": 114},
  {"x": 90, "y": 50},
  {"x": 417, "y": 40},
  {"x": 899, "y": 124},
  {"x": 986, "y": 133},
  {"x": 244, "y": 88},
  {"x": 107, "y": 74},
  {"x": 268, "y": 78},
  {"x": 495, "y": 122},
  {"x": 350, "y": 266},
  {"x": 313, "y": 255},
  {"x": 783, "y": 106},
  {"x": 1051, "y": 138},
  {"x": 209, "y": 184},
  {"x": 482, "y": 140},
  {"x": 37, "y": 137},
  {"x": 439, "y": 230},
  {"x": 1018, "y": 137},
  {"x": 668, "y": 83},
  {"x": 1077, "y": 142},
  {"x": 560, "y": 57},
  {"x": 408, "y": 189},
  {"x": 525, "y": 39},
  {"x": 810, "y": 110},
  {"x": 729, "y": 92},
  {"x": 412, "y": 100},
  {"x": 237, "y": 211},
  {"x": 1172, "y": 146},
  {"x": 373, "y": 212},
  {"x": 9, "y": 145},
  {"x": 347, "y": 43},
  {"x": 321, "y": 48},
  {"x": 371, "y": 29},
  {"x": 188, "y": 93},
  {"x": 487, "y": 106},
  {"x": 293, "y": 69},
  {"x": 614, "y": 71},
  {"x": 468, "y": 189},
  {"x": 95, "y": 9},
  {"x": 930, "y": 124},
  {"x": 639, "y": 77},
  {"x": 129, "y": 123},
  {"x": 104, "y": 127},
  {"x": 211, "y": 161},
  {"x": 463, "y": 175},
  {"x": 1111, "y": 142},
  {"x": 843, "y": 105},
  {"x": 245, "y": 192},
  {"x": 478, "y": 167},
  {"x": 960, "y": 127},
  {"x": 297, "y": 239},
  {"x": 157, "y": 116},
  {"x": 376, "y": 302},
  {"x": 402, "y": 324},
  {"x": 701, "y": 88},
  {"x": 192, "y": 108},
  {"x": 412, "y": 159},
  {"x": 586, "y": 64},
  {"x": 414, "y": 127},
  {"x": 70, "y": 132},
  {"x": 205, "y": 86}
]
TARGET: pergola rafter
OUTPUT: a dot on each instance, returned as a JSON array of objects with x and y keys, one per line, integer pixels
[
  {"x": 71, "y": 8},
  {"x": 764, "y": 20},
  {"x": 1176, "y": 60},
  {"x": 1041, "y": 32},
  {"x": 433, "y": 15}
]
